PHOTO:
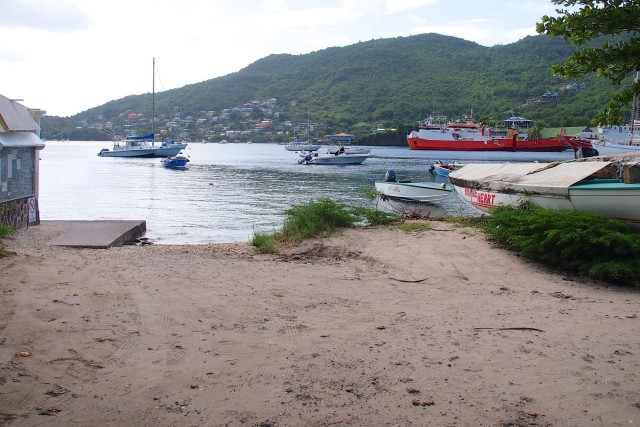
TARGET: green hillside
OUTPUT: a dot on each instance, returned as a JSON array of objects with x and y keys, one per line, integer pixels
[{"x": 391, "y": 83}]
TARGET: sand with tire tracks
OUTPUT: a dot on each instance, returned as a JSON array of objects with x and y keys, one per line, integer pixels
[{"x": 372, "y": 327}]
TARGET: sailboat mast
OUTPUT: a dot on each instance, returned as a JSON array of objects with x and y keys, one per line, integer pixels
[{"x": 153, "y": 102}]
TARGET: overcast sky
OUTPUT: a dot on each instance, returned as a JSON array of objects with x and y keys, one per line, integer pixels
[{"x": 66, "y": 56}]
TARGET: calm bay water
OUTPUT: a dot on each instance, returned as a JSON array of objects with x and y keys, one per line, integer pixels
[{"x": 229, "y": 190}]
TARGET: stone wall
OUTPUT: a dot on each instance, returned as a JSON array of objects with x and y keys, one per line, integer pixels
[{"x": 15, "y": 213}]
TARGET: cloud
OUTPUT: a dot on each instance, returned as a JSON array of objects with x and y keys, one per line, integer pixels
[
  {"x": 10, "y": 56},
  {"x": 395, "y": 6},
  {"x": 46, "y": 15},
  {"x": 274, "y": 5}
]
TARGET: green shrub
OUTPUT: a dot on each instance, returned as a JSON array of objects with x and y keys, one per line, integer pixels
[
  {"x": 265, "y": 242},
  {"x": 375, "y": 216},
  {"x": 371, "y": 193},
  {"x": 5, "y": 231},
  {"x": 594, "y": 245},
  {"x": 319, "y": 218}
]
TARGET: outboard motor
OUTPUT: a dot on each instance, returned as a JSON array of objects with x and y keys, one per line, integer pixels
[
  {"x": 306, "y": 159},
  {"x": 390, "y": 176},
  {"x": 584, "y": 152}
]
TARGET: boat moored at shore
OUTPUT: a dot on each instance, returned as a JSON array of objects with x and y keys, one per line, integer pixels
[
  {"x": 443, "y": 169},
  {"x": 403, "y": 189},
  {"x": 608, "y": 186}
]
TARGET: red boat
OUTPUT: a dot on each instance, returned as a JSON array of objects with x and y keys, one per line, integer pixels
[
  {"x": 576, "y": 142},
  {"x": 471, "y": 136}
]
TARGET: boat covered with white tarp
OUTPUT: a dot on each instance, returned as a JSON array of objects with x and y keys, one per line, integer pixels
[{"x": 606, "y": 185}]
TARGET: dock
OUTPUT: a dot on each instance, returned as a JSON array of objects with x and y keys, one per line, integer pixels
[{"x": 97, "y": 234}]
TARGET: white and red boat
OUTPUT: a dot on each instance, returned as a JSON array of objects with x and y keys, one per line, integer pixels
[
  {"x": 469, "y": 136},
  {"x": 611, "y": 140},
  {"x": 609, "y": 185}
]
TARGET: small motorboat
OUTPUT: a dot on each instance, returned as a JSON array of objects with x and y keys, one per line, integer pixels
[
  {"x": 340, "y": 157},
  {"x": 175, "y": 162},
  {"x": 348, "y": 150},
  {"x": 443, "y": 169},
  {"x": 403, "y": 189}
]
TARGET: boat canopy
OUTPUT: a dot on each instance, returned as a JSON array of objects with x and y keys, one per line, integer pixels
[
  {"x": 552, "y": 179},
  {"x": 141, "y": 137}
]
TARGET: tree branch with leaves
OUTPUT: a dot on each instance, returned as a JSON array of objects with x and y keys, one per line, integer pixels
[{"x": 617, "y": 24}]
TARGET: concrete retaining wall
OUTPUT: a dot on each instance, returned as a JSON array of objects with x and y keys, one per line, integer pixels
[{"x": 15, "y": 213}]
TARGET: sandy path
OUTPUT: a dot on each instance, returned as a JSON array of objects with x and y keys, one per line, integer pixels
[{"x": 372, "y": 327}]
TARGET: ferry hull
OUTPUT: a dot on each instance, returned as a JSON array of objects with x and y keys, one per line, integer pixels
[{"x": 489, "y": 144}]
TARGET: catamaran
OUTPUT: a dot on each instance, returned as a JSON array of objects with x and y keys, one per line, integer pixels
[{"x": 144, "y": 145}]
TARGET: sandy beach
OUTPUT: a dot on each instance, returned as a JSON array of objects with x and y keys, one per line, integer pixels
[{"x": 372, "y": 327}]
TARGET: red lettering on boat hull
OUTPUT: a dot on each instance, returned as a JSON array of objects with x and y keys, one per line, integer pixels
[{"x": 479, "y": 198}]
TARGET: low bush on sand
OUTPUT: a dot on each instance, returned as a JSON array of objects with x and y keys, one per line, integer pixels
[
  {"x": 319, "y": 218},
  {"x": 5, "y": 231},
  {"x": 588, "y": 244}
]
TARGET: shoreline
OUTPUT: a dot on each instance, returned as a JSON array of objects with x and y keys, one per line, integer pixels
[{"x": 368, "y": 327}]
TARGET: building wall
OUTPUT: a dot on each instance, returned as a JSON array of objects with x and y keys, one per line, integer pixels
[
  {"x": 19, "y": 163},
  {"x": 17, "y": 213},
  {"x": 18, "y": 191},
  {"x": 17, "y": 172}
]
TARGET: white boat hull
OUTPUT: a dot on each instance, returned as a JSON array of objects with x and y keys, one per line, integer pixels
[
  {"x": 164, "y": 150},
  {"x": 606, "y": 148},
  {"x": 330, "y": 159},
  {"x": 349, "y": 150},
  {"x": 128, "y": 152},
  {"x": 170, "y": 149},
  {"x": 621, "y": 201},
  {"x": 415, "y": 191},
  {"x": 301, "y": 147}
]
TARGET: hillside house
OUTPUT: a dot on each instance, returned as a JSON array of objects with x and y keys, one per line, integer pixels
[
  {"x": 19, "y": 163},
  {"x": 341, "y": 139}
]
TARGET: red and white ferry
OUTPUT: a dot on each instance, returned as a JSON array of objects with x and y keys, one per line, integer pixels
[{"x": 470, "y": 136}]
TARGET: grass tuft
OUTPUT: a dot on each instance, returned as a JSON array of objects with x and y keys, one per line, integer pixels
[
  {"x": 375, "y": 217},
  {"x": 466, "y": 221},
  {"x": 316, "y": 219},
  {"x": 265, "y": 242},
  {"x": 319, "y": 219},
  {"x": 5, "y": 231}
]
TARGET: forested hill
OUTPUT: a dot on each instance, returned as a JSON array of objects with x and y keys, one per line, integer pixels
[{"x": 390, "y": 81}]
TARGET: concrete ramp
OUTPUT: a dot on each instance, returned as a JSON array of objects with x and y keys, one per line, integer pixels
[{"x": 98, "y": 234}]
